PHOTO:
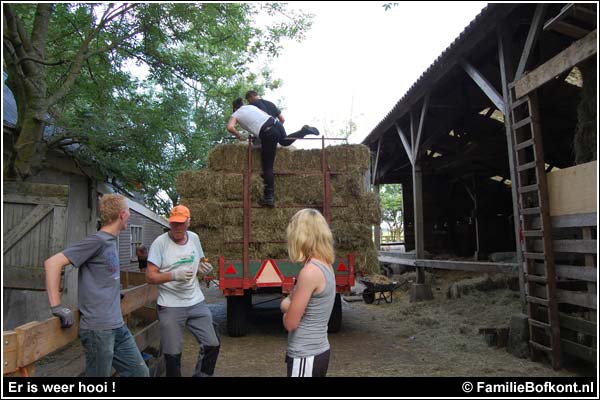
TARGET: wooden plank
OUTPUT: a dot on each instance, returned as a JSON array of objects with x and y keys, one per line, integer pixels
[
  {"x": 570, "y": 30},
  {"x": 28, "y": 278},
  {"x": 37, "y": 339},
  {"x": 573, "y": 190},
  {"x": 487, "y": 88},
  {"x": 578, "y": 324},
  {"x": 9, "y": 351},
  {"x": 395, "y": 260},
  {"x": 532, "y": 35},
  {"x": 569, "y": 246},
  {"x": 576, "y": 272},
  {"x": 147, "y": 336},
  {"x": 570, "y": 221},
  {"x": 468, "y": 266},
  {"x": 35, "y": 193},
  {"x": 135, "y": 278},
  {"x": 146, "y": 313},
  {"x": 58, "y": 235},
  {"x": 416, "y": 149},
  {"x": 137, "y": 297},
  {"x": 398, "y": 254},
  {"x": 583, "y": 299},
  {"x": 21, "y": 229},
  {"x": 405, "y": 143},
  {"x": 578, "y": 350},
  {"x": 562, "y": 62}
]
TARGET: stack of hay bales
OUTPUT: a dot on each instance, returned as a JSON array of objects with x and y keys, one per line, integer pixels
[{"x": 215, "y": 196}]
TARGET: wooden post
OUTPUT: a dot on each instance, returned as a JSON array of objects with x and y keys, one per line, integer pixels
[
  {"x": 377, "y": 226},
  {"x": 506, "y": 74}
]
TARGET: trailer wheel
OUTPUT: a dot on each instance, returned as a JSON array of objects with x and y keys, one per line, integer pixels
[
  {"x": 368, "y": 296},
  {"x": 335, "y": 320},
  {"x": 237, "y": 308}
]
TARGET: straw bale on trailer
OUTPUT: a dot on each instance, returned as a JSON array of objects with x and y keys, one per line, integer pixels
[{"x": 215, "y": 198}]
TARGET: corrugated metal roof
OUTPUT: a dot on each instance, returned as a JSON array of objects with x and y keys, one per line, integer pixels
[{"x": 471, "y": 29}]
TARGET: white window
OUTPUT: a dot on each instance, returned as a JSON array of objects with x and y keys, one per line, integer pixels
[{"x": 136, "y": 240}]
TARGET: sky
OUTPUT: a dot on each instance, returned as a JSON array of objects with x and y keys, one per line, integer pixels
[{"x": 358, "y": 60}]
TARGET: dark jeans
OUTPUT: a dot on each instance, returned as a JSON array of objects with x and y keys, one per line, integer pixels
[
  {"x": 109, "y": 348},
  {"x": 269, "y": 140}
]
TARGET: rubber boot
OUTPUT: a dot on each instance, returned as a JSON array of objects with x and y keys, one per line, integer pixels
[
  {"x": 173, "y": 364},
  {"x": 207, "y": 360}
]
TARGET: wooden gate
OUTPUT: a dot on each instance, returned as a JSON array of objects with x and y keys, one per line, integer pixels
[{"x": 34, "y": 227}]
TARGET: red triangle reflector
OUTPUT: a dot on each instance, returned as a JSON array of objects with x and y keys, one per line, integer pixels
[
  {"x": 230, "y": 269},
  {"x": 342, "y": 267}
]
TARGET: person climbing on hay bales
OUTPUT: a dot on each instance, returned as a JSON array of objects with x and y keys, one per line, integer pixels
[
  {"x": 271, "y": 132},
  {"x": 254, "y": 99}
]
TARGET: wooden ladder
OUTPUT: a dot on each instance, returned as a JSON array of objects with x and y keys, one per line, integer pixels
[{"x": 536, "y": 229}]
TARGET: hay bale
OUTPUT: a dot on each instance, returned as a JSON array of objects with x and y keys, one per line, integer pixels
[
  {"x": 204, "y": 213},
  {"x": 201, "y": 184},
  {"x": 347, "y": 157},
  {"x": 215, "y": 196}
]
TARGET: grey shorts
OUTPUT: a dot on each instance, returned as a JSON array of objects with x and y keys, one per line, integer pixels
[{"x": 196, "y": 318}]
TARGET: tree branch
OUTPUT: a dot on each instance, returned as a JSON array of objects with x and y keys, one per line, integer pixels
[{"x": 42, "y": 62}]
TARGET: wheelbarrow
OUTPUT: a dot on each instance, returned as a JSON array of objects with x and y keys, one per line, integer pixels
[{"x": 377, "y": 291}]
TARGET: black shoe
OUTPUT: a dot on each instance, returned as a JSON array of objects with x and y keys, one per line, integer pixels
[
  {"x": 311, "y": 130},
  {"x": 267, "y": 202}
]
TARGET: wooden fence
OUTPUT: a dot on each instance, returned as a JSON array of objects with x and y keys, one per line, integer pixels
[{"x": 28, "y": 343}]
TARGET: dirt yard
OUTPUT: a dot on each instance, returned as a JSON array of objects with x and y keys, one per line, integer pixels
[
  {"x": 434, "y": 338},
  {"x": 400, "y": 339}
]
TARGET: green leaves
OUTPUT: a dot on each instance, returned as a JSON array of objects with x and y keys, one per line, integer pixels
[
  {"x": 390, "y": 200},
  {"x": 145, "y": 89}
]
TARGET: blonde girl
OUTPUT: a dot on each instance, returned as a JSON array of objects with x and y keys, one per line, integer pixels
[{"x": 307, "y": 310}]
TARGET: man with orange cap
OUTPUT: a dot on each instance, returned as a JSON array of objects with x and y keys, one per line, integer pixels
[{"x": 173, "y": 262}]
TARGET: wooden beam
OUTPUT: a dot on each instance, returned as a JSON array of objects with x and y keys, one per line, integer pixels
[
  {"x": 570, "y": 30},
  {"x": 395, "y": 260},
  {"x": 376, "y": 160},
  {"x": 24, "y": 226},
  {"x": 135, "y": 278},
  {"x": 468, "y": 266},
  {"x": 507, "y": 69},
  {"x": 35, "y": 193},
  {"x": 532, "y": 35},
  {"x": 578, "y": 350},
  {"x": 9, "y": 351},
  {"x": 137, "y": 297},
  {"x": 583, "y": 299},
  {"x": 405, "y": 143},
  {"x": 562, "y": 62},
  {"x": 416, "y": 149},
  {"x": 483, "y": 84},
  {"x": 569, "y": 246},
  {"x": 25, "y": 277},
  {"x": 147, "y": 336},
  {"x": 579, "y": 273},
  {"x": 38, "y": 339},
  {"x": 577, "y": 324}
]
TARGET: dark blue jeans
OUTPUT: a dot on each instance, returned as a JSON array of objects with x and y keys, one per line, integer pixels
[{"x": 109, "y": 348}]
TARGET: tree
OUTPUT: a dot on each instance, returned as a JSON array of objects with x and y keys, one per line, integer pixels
[
  {"x": 391, "y": 209},
  {"x": 73, "y": 65}
]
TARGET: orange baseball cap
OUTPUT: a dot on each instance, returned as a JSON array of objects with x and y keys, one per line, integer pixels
[{"x": 179, "y": 214}]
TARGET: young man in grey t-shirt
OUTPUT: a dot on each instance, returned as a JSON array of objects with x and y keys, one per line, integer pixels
[{"x": 106, "y": 339}]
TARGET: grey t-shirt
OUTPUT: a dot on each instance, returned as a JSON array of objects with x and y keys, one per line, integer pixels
[{"x": 99, "y": 290}]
